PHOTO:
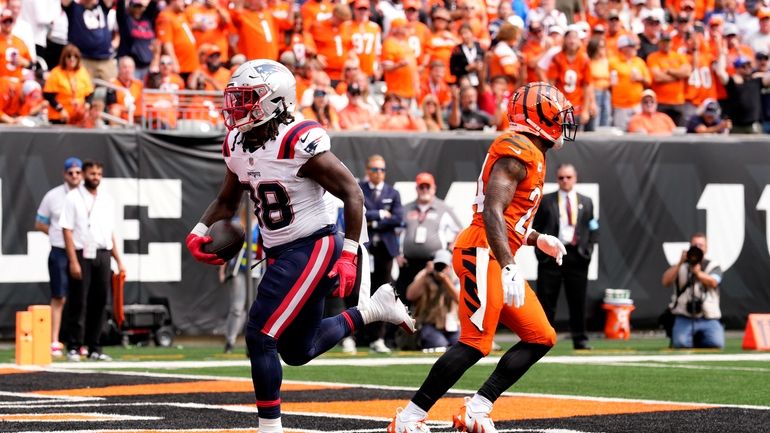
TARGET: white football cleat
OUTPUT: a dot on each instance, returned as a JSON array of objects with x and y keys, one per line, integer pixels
[
  {"x": 473, "y": 422},
  {"x": 399, "y": 426},
  {"x": 384, "y": 306}
]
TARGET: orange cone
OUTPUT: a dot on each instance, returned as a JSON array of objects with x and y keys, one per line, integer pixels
[
  {"x": 23, "y": 338},
  {"x": 757, "y": 334}
]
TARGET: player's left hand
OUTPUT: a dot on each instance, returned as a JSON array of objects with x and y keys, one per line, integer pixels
[
  {"x": 513, "y": 285},
  {"x": 552, "y": 246},
  {"x": 345, "y": 268}
]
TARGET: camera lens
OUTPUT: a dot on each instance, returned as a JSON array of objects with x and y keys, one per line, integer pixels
[{"x": 439, "y": 266}]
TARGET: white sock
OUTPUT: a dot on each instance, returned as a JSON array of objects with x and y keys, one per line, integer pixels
[
  {"x": 413, "y": 413},
  {"x": 270, "y": 425},
  {"x": 480, "y": 404}
]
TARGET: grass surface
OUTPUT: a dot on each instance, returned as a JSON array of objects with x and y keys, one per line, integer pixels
[{"x": 728, "y": 382}]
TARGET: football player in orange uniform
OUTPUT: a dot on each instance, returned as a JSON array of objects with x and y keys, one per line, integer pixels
[{"x": 493, "y": 288}]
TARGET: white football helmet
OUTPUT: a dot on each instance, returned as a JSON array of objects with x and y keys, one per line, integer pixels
[{"x": 258, "y": 91}]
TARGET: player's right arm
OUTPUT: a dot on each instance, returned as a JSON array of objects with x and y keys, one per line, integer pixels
[
  {"x": 224, "y": 206},
  {"x": 503, "y": 179}
]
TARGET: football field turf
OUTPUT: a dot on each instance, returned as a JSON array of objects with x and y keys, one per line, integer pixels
[{"x": 620, "y": 386}]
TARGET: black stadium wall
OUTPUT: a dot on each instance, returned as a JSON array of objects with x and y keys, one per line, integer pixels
[{"x": 650, "y": 195}]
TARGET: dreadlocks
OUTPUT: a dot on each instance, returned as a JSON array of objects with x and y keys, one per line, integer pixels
[{"x": 260, "y": 135}]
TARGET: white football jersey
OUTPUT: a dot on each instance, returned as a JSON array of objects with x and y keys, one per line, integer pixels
[{"x": 288, "y": 207}]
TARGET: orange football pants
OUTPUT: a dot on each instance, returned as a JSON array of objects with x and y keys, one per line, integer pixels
[{"x": 482, "y": 308}]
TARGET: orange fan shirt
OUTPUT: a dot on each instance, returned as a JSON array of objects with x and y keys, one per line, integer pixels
[
  {"x": 303, "y": 46},
  {"x": 671, "y": 92},
  {"x": 401, "y": 80},
  {"x": 627, "y": 93},
  {"x": 419, "y": 39},
  {"x": 365, "y": 40},
  {"x": 284, "y": 20},
  {"x": 504, "y": 61},
  {"x": 700, "y": 84},
  {"x": 135, "y": 88},
  {"x": 173, "y": 28},
  {"x": 656, "y": 123},
  {"x": 313, "y": 11},
  {"x": 71, "y": 89},
  {"x": 257, "y": 34},
  {"x": 531, "y": 53},
  {"x": 571, "y": 76},
  {"x": 440, "y": 47},
  {"x": 10, "y": 96},
  {"x": 440, "y": 91},
  {"x": 331, "y": 44},
  {"x": 209, "y": 27},
  {"x": 522, "y": 208},
  {"x": 9, "y": 48}
]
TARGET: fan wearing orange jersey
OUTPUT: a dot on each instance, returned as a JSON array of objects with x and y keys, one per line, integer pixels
[
  {"x": 399, "y": 62},
  {"x": 493, "y": 288},
  {"x": 300, "y": 42},
  {"x": 534, "y": 48},
  {"x": 472, "y": 15},
  {"x": 330, "y": 41},
  {"x": 442, "y": 40},
  {"x": 315, "y": 11},
  {"x": 700, "y": 84},
  {"x": 419, "y": 34},
  {"x": 128, "y": 100},
  {"x": 435, "y": 84},
  {"x": 176, "y": 37},
  {"x": 14, "y": 55},
  {"x": 257, "y": 30},
  {"x": 211, "y": 76},
  {"x": 210, "y": 23},
  {"x": 503, "y": 59},
  {"x": 365, "y": 37},
  {"x": 628, "y": 77},
  {"x": 669, "y": 70},
  {"x": 614, "y": 31},
  {"x": 570, "y": 72},
  {"x": 284, "y": 16},
  {"x": 10, "y": 100}
]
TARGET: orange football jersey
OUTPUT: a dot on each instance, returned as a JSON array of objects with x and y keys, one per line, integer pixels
[
  {"x": 522, "y": 208},
  {"x": 571, "y": 77},
  {"x": 365, "y": 40}
]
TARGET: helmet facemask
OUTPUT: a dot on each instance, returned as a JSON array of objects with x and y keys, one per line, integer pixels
[{"x": 243, "y": 107}]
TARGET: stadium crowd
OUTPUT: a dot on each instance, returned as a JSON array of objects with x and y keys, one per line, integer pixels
[{"x": 419, "y": 65}]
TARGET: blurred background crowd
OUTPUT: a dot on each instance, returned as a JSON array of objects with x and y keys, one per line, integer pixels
[{"x": 643, "y": 66}]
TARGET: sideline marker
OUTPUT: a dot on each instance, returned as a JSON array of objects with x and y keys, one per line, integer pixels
[
  {"x": 757, "y": 333},
  {"x": 41, "y": 334},
  {"x": 23, "y": 338}
]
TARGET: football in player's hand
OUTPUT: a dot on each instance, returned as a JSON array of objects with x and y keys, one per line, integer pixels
[{"x": 227, "y": 239}]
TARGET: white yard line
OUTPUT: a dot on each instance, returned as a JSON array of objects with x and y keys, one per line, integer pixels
[{"x": 377, "y": 362}]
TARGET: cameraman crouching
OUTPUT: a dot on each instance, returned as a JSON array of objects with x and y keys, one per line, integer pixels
[
  {"x": 695, "y": 301},
  {"x": 434, "y": 294}
]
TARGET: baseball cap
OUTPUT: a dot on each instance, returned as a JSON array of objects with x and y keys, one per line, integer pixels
[
  {"x": 361, "y": 4},
  {"x": 412, "y": 4},
  {"x": 613, "y": 14},
  {"x": 763, "y": 13},
  {"x": 441, "y": 13},
  {"x": 556, "y": 29},
  {"x": 710, "y": 106},
  {"x": 442, "y": 256},
  {"x": 761, "y": 55},
  {"x": 599, "y": 29},
  {"x": 650, "y": 93},
  {"x": 6, "y": 14},
  {"x": 398, "y": 22},
  {"x": 730, "y": 29},
  {"x": 688, "y": 4},
  {"x": 72, "y": 162},
  {"x": 626, "y": 41},
  {"x": 209, "y": 49},
  {"x": 665, "y": 36},
  {"x": 30, "y": 86},
  {"x": 425, "y": 178},
  {"x": 741, "y": 61},
  {"x": 716, "y": 19}
]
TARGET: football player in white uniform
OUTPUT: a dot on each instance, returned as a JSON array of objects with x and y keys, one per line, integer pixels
[{"x": 286, "y": 166}]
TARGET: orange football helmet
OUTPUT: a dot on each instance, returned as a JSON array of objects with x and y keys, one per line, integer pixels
[{"x": 542, "y": 110}]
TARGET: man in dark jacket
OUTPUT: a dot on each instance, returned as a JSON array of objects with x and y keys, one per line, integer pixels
[{"x": 570, "y": 217}]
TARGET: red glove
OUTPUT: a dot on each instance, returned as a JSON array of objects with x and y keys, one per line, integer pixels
[
  {"x": 345, "y": 268},
  {"x": 194, "y": 243}
]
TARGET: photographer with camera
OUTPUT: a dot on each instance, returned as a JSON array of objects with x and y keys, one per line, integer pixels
[
  {"x": 695, "y": 301},
  {"x": 434, "y": 295}
]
